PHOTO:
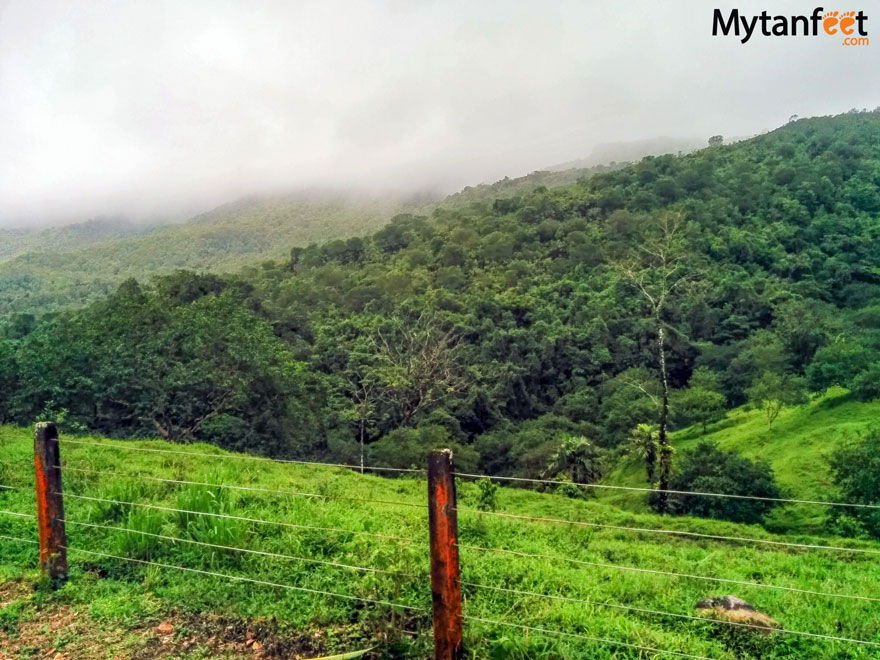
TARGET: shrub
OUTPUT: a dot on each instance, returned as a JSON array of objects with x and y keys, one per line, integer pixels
[
  {"x": 708, "y": 469},
  {"x": 229, "y": 432},
  {"x": 774, "y": 391},
  {"x": 488, "y": 500},
  {"x": 697, "y": 405},
  {"x": 407, "y": 448},
  {"x": 866, "y": 386},
  {"x": 838, "y": 364},
  {"x": 856, "y": 471},
  {"x": 524, "y": 449},
  {"x": 568, "y": 488}
]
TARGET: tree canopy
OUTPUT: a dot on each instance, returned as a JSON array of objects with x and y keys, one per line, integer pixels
[{"x": 498, "y": 325}]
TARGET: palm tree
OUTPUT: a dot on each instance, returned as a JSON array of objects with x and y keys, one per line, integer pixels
[
  {"x": 643, "y": 442},
  {"x": 577, "y": 457}
]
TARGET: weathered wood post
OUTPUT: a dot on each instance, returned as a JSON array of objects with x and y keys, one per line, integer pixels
[
  {"x": 445, "y": 576},
  {"x": 50, "y": 503}
]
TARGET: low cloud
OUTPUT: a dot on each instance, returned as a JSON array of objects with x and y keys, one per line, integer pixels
[{"x": 160, "y": 109}]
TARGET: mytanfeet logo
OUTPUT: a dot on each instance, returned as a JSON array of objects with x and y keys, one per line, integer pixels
[{"x": 851, "y": 25}]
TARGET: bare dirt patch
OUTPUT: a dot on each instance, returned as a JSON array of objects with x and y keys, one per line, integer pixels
[
  {"x": 13, "y": 590},
  {"x": 29, "y": 630}
]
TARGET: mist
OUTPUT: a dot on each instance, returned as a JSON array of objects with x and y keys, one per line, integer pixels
[{"x": 163, "y": 109}]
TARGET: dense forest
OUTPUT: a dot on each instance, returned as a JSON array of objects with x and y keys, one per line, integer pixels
[
  {"x": 580, "y": 320},
  {"x": 60, "y": 268},
  {"x": 67, "y": 267}
]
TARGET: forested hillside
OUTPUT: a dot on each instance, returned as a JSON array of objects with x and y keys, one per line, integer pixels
[
  {"x": 565, "y": 175},
  {"x": 68, "y": 267},
  {"x": 14, "y": 242},
  {"x": 532, "y": 333},
  {"x": 624, "y": 152}
]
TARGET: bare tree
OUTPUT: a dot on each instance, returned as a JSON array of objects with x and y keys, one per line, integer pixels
[
  {"x": 657, "y": 271},
  {"x": 419, "y": 365},
  {"x": 364, "y": 389}
]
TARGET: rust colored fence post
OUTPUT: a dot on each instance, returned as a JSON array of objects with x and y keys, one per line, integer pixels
[
  {"x": 445, "y": 577},
  {"x": 50, "y": 503}
]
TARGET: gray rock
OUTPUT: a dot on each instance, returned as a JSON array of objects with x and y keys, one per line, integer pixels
[{"x": 736, "y": 610}]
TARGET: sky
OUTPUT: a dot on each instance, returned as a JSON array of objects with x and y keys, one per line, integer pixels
[{"x": 164, "y": 108}]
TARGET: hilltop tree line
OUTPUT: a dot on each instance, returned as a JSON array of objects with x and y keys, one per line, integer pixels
[{"x": 591, "y": 318}]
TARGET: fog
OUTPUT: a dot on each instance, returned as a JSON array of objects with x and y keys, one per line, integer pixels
[{"x": 163, "y": 108}]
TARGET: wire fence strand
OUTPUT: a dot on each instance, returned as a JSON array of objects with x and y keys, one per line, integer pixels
[
  {"x": 243, "y": 457},
  {"x": 261, "y": 553},
  {"x": 668, "y": 492},
  {"x": 242, "y": 518},
  {"x": 209, "y": 484},
  {"x": 19, "y": 539},
  {"x": 635, "y": 569},
  {"x": 588, "y": 638},
  {"x": 16, "y": 513},
  {"x": 240, "y": 578},
  {"x": 473, "y": 585},
  {"x": 689, "y": 617},
  {"x": 673, "y": 532}
]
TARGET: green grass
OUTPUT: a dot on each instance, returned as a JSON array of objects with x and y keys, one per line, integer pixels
[
  {"x": 123, "y": 591},
  {"x": 797, "y": 447}
]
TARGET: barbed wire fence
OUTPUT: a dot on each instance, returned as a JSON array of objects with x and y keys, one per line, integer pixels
[{"x": 450, "y": 592}]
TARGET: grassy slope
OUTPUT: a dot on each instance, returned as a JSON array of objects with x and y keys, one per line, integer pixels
[
  {"x": 797, "y": 447},
  {"x": 129, "y": 594}
]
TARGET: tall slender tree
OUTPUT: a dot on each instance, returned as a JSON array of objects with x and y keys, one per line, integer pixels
[{"x": 658, "y": 270}]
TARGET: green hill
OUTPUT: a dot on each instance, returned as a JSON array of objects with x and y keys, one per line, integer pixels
[
  {"x": 506, "y": 188},
  {"x": 634, "y": 151},
  {"x": 327, "y": 533},
  {"x": 509, "y": 329},
  {"x": 14, "y": 242},
  {"x": 69, "y": 267},
  {"x": 798, "y": 447}
]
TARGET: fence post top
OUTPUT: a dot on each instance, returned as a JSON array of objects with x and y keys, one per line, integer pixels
[
  {"x": 442, "y": 452},
  {"x": 49, "y": 426}
]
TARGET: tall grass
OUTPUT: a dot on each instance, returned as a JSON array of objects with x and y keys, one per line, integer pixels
[
  {"x": 144, "y": 589},
  {"x": 211, "y": 529},
  {"x": 140, "y": 542}
]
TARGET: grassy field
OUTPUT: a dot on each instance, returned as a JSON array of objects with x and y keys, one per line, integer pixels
[
  {"x": 797, "y": 447},
  {"x": 129, "y": 600}
]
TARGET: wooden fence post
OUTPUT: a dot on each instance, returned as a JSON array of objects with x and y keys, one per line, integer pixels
[
  {"x": 50, "y": 503},
  {"x": 445, "y": 576}
]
